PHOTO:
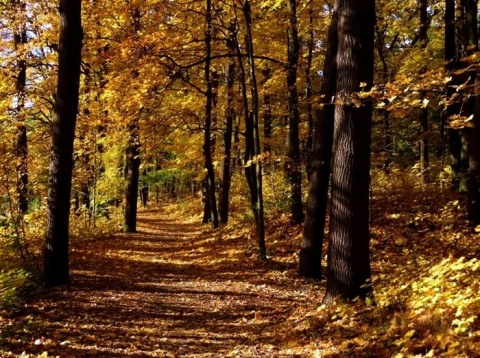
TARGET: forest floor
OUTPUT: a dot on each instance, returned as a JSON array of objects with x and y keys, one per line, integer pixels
[
  {"x": 171, "y": 290},
  {"x": 179, "y": 289}
]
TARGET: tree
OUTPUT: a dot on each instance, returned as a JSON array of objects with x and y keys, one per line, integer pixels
[
  {"x": 56, "y": 261},
  {"x": 473, "y": 184},
  {"x": 348, "y": 267},
  {"x": 225, "y": 169},
  {"x": 252, "y": 160},
  {"x": 132, "y": 152},
  {"x": 316, "y": 206},
  {"x": 132, "y": 174},
  {"x": 207, "y": 144},
  {"x": 20, "y": 39},
  {"x": 423, "y": 135},
  {"x": 293, "y": 164}
]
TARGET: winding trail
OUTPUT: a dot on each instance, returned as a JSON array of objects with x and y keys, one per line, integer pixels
[{"x": 171, "y": 290}]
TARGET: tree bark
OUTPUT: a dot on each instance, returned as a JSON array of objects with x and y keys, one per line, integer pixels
[
  {"x": 423, "y": 133},
  {"x": 316, "y": 208},
  {"x": 207, "y": 146},
  {"x": 293, "y": 164},
  {"x": 308, "y": 90},
  {"x": 348, "y": 267},
  {"x": 253, "y": 163},
  {"x": 21, "y": 148},
  {"x": 226, "y": 172},
  {"x": 473, "y": 184},
  {"x": 132, "y": 175},
  {"x": 56, "y": 260}
]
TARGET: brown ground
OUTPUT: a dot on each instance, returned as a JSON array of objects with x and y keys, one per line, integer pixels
[{"x": 171, "y": 290}]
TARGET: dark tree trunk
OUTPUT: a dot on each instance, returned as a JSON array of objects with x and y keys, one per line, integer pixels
[
  {"x": 473, "y": 207},
  {"x": 21, "y": 149},
  {"x": 257, "y": 165},
  {"x": 308, "y": 91},
  {"x": 385, "y": 112},
  {"x": 56, "y": 261},
  {"x": 132, "y": 152},
  {"x": 474, "y": 166},
  {"x": 267, "y": 111},
  {"x": 207, "y": 146},
  {"x": 348, "y": 267},
  {"x": 293, "y": 164},
  {"x": 252, "y": 162},
  {"x": 423, "y": 133},
  {"x": 226, "y": 172},
  {"x": 316, "y": 208},
  {"x": 465, "y": 45},
  {"x": 132, "y": 175}
]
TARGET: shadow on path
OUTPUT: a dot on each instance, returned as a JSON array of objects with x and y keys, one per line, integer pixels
[{"x": 170, "y": 290}]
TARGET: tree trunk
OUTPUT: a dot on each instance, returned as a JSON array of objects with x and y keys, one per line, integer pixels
[
  {"x": 473, "y": 207},
  {"x": 316, "y": 208},
  {"x": 465, "y": 45},
  {"x": 474, "y": 166},
  {"x": 253, "y": 164},
  {"x": 308, "y": 91},
  {"x": 293, "y": 164},
  {"x": 267, "y": 111},
  {"x": 56, "y": 261},
  {"x": 133, "y": 153},
  {"x": 226, "y": 172},
  {"x": 423, "y": 133},
  {"x": 348, "y": 270},
  {"x": 132, "y": 175},
  {"x": 207, "y": 146},
  {"x": 21, "y": 149}
]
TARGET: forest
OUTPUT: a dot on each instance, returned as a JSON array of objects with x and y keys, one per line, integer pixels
[{"x": 238, "y": 178}]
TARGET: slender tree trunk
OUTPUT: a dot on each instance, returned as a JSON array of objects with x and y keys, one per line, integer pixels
[
  {"x": 253, "y": 164},
  {"x": 21, "y": 148},
  {"x": 132, "y": 175},
  {"x": 207, "y": 146},
  {"x": 225, "y": 172},
  {"x": 423, "y": 133},
  {"x": 316, "y": 208},
  {"x": 267, "y": 111},
  {"x": 348, "y": 267},
  {"x": 56, "y": 261},
  {"x": 474, "y": 165},
  {"x": 293, "y": 164},
  {"x": 381, "y": 48},
  {"x": 308, "y": 90}
]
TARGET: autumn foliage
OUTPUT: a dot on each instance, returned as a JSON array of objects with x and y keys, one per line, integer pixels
[{"x": 195, "y": 105}]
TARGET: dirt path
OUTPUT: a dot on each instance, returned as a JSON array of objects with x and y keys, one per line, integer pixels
[{"x": 171, "y": 290}]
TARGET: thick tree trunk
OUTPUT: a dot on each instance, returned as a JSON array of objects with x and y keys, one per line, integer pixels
[
  {"x": 56, "y": 261},
  {"x": 348, "y": 270},
  {"x": 465, "y": 45},
  {"x": 316, "y": 208},
  {"x": 293, "y": 164},
  {"x": 132, "y": 175},
  {"x": 226, "y": 172},
  {"x": 473, "y": 186}
]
